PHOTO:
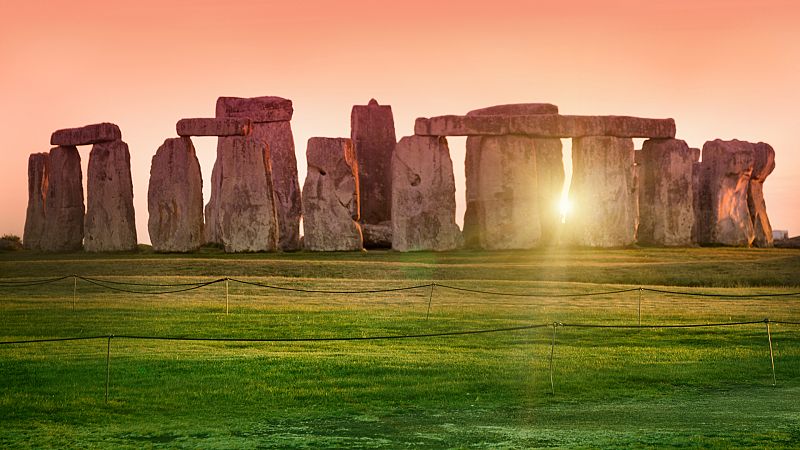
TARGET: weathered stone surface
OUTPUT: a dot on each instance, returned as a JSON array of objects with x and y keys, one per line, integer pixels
[
  {"x": 257, "y": 109},
  {"x": 270, "y": 117},
  {"x": 373, "y": 136},
  {"x": 64, "y": 207},
  {"x": 110, "y": 219},
  {"x": 38, "y": 172},
  {"x": 379, "y": 235},
  {"x": 227, "y": 126},
  {"x": 241, "y": 212},
  {"x": 423, "y": 196},
  {"x": 175, "y": 198},
  {"x": 90, "y": 134},
  {"x": 545, "y": 192},
  {"x": 546, "y": 126},
  {"x": 722, "y": 213},
  {"x": 602, "y": 192},
  {"x": 763, "y": 165},
  {"x": 515, "y": 109},
  {"x": 330, "y": 196},
  {"x": 666, "y": 211},
  {"x": 506, "y": 204}
]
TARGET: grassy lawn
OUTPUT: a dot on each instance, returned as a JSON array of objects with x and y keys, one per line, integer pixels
[{"x": 611, "y": 387}]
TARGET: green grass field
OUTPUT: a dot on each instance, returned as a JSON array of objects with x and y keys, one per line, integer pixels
[{"x": 611, "y": 387}]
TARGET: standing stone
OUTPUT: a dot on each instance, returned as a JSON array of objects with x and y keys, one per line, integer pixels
[
  {"x": 723, "y": 216},
  {"x": 423, "y": 196},
  {"x": 763, "y": 166},
  {"x": 63, "y": 208},
  {"x": 545, "y": 192},
  {"x": 331, "y": 196},
  {"x": 270, "y": 117},
  {"x": 242, "y": 208},
  {"x": 602, "y": 192},
  {"x": 666, "y": 211},
  {"x": 373, "y": 136},
  {"x": 38, "y": 171},
  {"x": 175, "y": 198},
  {"x": 507, "y": 203},
  {"x": 110, "y": 219}
]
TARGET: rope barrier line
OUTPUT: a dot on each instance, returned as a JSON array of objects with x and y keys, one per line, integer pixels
[
  {"x": 190, "y": 286},
  {"x": 309, "y": 339},
  {"x": 397, "y": 336},
  {"x": 129, "y": 291},
  {"x": 322, "y": 291},
  {"x": 513, "y": 294},
  {"x": 14, "y": 284},
  {"x": 128, "y": 283},
  {"x": 700, "y": 294}
]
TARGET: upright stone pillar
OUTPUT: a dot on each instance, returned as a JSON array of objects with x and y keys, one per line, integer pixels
[
  {"x": 602, "y": 192},
  {"x": 243, "y": 210},
  {"x": 423, "y": 196},
  {"x": 331, "y": 196},
  {"x": 270, "y": 118},
  {"x": 507, "y": 210},
  {"x": 38, "y": 172},
  {"x": 110, "y": 219},
  {"x": 64, "y": 207},
  {"x": 723, "y": 216},
  {"x": 534, "y": 207},
  {"x": 764, "y": 164},
  {"x": 175, "y": 198},
  {"x": 373, "y": 136},
  {"x": 666, "y": 212}
]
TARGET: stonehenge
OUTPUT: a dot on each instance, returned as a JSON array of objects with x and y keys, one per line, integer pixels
[
  {"x": 271, "y": 118},
  {"x": 369, "y": 191},
  {"x": 331, "y": 196},
  {"x": 373, "y": 136}
]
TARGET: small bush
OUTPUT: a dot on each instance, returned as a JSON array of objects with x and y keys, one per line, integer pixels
[{"x": 10, "y": 242}]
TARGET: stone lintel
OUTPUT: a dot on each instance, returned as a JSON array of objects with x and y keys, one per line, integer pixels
[
  {"x": 90, "y": 134},
  {"x": 546, "y": 126},
  {"x": 228, "y": 126},
  {"x": 257, "y": 109}
]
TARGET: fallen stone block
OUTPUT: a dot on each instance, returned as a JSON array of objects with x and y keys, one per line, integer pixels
[
  {"x": 228, "y": 126},
  {"x": 90, "y": 134}
]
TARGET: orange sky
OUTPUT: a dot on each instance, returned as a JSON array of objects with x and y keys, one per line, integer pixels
[{"x": 722, "y": 69}]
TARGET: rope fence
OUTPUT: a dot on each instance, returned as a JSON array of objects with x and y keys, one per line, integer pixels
[
  {"x": 163, "y": 289},
  {"x": 554, "y": 325}
]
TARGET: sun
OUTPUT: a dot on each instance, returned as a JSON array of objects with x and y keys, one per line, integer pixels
[{"x": 564, "y": 207}]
